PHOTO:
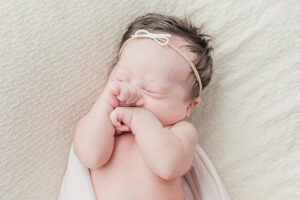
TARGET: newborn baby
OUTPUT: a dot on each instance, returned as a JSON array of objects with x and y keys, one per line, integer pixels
[{"x": 135, "y": 140}]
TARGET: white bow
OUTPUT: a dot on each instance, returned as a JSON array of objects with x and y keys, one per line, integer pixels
[{"x": 165, "y": 37}]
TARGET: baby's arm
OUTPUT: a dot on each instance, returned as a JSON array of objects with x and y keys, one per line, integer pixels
[
  {"x": 168, "y": 152},
  {"x": 94, "y": 133}
]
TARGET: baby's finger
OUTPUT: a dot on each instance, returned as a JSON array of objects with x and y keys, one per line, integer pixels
[
  {"x": 122, "y": 128},
  {"x": 115, "y": 88},
  {"x": 135, "y": 98},
  {"x": 114, "y": 118},
  {"x": 140, "y": 102},
  {"x": 133, "y": 95},
  {"x": 140, "y": 94},
  {"x": 124, "y": 93}
]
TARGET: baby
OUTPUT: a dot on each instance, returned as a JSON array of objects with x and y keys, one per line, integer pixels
[{"x": 134, "y": 140}]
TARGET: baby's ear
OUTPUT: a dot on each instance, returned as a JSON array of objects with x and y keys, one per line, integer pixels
[{"x": 191, "y": 106}]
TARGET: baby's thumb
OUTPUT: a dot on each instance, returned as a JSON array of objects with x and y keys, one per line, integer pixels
[{"x": 140, "y": 102}]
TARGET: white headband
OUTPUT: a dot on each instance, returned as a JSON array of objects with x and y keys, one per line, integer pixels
[{"x": 158, "y": 38}]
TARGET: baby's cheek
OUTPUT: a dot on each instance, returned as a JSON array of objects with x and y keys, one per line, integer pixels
[{"x": 168, "y": 112}]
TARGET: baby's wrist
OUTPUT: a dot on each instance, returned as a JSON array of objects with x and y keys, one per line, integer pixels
[
  {"x": 106, "y": 105},
  {"x": 108, "y": 99},
  {"x": 138, "y": 116},
  {"x": 100, "y": 108}
]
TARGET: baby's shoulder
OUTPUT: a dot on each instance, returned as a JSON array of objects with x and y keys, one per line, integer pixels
[{"x": 183, "y": 124}]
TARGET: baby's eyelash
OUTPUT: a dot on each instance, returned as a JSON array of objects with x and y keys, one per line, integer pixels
[
  {"x": 146, "y": 90},
  {"x": 120, "y": 79},
  {"x": 151, "y": 91}
]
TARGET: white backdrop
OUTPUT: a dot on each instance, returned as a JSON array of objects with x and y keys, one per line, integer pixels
[{"x": 54, "y": 57}]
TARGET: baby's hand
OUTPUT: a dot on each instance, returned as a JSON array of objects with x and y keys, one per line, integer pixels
[
  {"x": 123, "y": 94},
  {"x": 121, "y": 118}
]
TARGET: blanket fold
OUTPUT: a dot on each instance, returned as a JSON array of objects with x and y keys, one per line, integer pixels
[{"x": 201, "y": 182}]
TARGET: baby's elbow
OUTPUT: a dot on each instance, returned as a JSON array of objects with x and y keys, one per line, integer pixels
[
  {"x": 93, "y": 164},
  {"x": 170, "y": 176},
  {"x": 90, "y": 161},
  {"x": 179, "y": 169},
  {"x": 173, "y": 171}
]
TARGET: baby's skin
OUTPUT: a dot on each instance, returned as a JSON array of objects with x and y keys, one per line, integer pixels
[{"x": 135, "y": 140}]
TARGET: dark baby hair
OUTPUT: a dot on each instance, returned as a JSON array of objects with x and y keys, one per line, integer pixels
[{"x": 199, "y": 44}]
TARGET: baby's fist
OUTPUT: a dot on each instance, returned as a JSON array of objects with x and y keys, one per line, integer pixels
[
  {"x": 124, "y": 93},
  {"x": 121, "y": 118}
]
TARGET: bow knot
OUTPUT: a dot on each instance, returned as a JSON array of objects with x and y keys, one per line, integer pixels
[{"x": 156, "y": 37}]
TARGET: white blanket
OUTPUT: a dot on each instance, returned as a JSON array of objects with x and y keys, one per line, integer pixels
[
  {"x": 200, "y": 183},
  {"x": 54, "y": 55}
]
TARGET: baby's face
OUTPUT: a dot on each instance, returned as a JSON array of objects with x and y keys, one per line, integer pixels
[{"x": 159, "y": 71}]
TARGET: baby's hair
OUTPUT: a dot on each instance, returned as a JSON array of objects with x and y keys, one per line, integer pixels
[{"x": 185, "y": 29}]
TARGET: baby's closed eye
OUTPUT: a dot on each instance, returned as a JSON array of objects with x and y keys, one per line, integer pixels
[
  {"x": 153, "y": 90},
  {"x": 149, "y": 90},
  {"x": 154, "y": 94}
]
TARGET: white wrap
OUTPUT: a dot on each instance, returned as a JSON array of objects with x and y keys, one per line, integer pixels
[{"x": 200, "y": 183}]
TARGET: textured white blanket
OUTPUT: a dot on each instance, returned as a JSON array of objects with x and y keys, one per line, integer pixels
[
  {"x": 53, "y": 57},
  {"x": 201, "y": 182}
]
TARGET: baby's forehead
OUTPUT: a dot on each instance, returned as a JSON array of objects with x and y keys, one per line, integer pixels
[{"x": 148, "y": 56}]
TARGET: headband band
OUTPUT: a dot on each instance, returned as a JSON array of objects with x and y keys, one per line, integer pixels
[{"x": 162, "y": 39}]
